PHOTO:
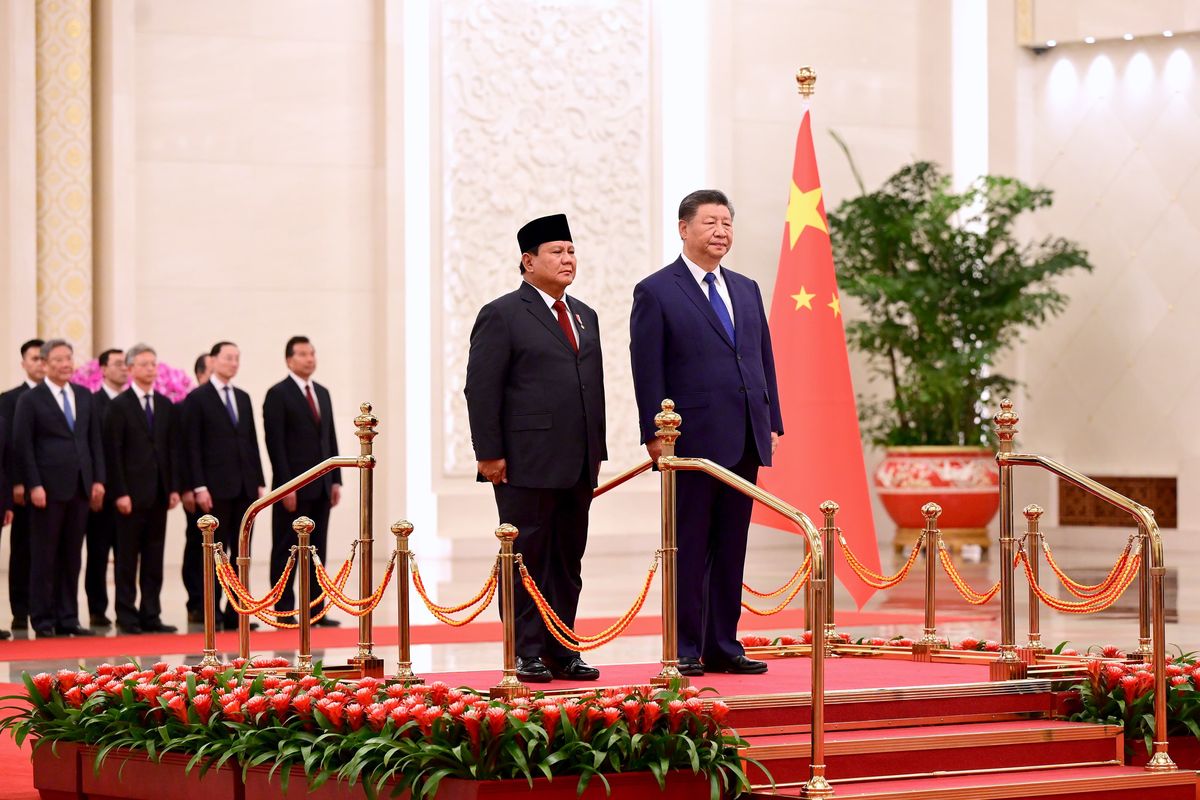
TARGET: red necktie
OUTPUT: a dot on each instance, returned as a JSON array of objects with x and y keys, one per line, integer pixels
[
  {"x": 560, "y": 308},
  {"x": 312, "y": 403}
]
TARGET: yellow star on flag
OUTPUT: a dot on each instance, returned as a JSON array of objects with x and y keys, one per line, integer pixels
[
  {"x": 836, "y": 305},
  {"x": 802, "y": 212},
  {"x": 803, "y": 300}
]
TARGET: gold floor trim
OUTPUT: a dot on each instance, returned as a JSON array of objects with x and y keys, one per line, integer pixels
[{"x": 891, "y": 694}]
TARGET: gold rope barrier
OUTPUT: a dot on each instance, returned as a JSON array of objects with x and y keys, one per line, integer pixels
[
  {"x": 770, "y": 612},
  {"x": 875, "y": 579},
  {"x": 1086, "y": 606},
  {"x": 803, "y": 572},
  {"x": 565, "y": 635},
  {"x": 970, "y": 595},
  {"x": 441, "y": 613},
  {"x": 1082, "y": 590},
  {"x": 234, "y": 590},
  {"x": 353, "y": 606}
]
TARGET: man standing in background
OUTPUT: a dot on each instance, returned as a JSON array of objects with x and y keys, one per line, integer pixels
[
  {"x": 222, "y": 448},
  {"x": 59, "y": 447},
  {"x": 192, "y": 570},
  {"x": 102, "y": 524},
  {"x": 34, "y": 367},
  {"x": 298, "y": 425}
]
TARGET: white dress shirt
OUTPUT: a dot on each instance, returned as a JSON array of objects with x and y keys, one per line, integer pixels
[
  {"x": 220, "y": 386},
  {"x": 722, "y": 288},
  {"x": 141, "y": 396},
  {"x": 112, "y": 393}
]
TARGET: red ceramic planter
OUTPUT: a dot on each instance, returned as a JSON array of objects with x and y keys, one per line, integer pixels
[
  {"x": 964, "y": 481},
  {"x": 131, "y": 775},
  {"x": 1183, "y": 750},
  {"x": 56, "y": 772}
]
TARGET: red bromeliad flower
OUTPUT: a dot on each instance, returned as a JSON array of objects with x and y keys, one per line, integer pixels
[
  {"x": 720, "y": 711},
  {"x": 365, "y": 696},
  {"x": 611, "y": 715},
  {"x": 377, "y": 715},
  {"x": 650, "y": 713},
  {"x": 427, "y": 718},
  {"x": 473, "y": 724},
  {"x": 66, "y": 679},
  {"x": 439, "y": 692},
  {"x": 355, "y": 716},
  {"x": 632, "y": 709},
  {"x": 281, "y": 704},
  {"x": 74, "y": 697},
  {"x": 178, "y": 708},
  {"x": 1112, "y": 651},
  {"x": 551, "y": 714},
  {"x": 675, "y": 711},
  {"x": 400, "y": 715},
  {"x": 1181, "y": 680},
  {"x": 332, "y": 711},
  {"x": 43, "y": 682},
  {"x": 203, "y": 705},
  {"x": 521, "y": 714},
  {"x": 456, "y": 709},
  {"x": 231, "y": 709},
  {"x": 256, "y": 706},
  {"x": 497, "y": 718},
  {"x": 572, "y": 709}
]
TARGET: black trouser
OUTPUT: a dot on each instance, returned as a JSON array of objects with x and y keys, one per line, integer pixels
[
  {"x": 192, "y": 571},
  {"x": 141, "y": 537},
  {"x": 56, "y": 545},
  {"x": 18, "y": 562},
  {"x": 283, "y": 537},
  {"x": 229, "y": 512},
  {"x": 552, "y": 529},
  {"x": 712, "y": 521},
  {"x": 101, "y": 541}
]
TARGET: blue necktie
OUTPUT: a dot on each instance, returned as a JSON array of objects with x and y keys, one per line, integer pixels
[
  {"x": 67, "y": 410},
  {"x": 149, "y": 413},
  {"x": 229, "y": 405},
  {"x": 718, "y": 305}
]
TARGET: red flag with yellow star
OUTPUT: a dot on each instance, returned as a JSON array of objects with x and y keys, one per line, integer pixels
[{"x": 821, "y": 456}]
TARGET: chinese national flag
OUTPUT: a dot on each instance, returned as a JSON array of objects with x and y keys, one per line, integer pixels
[{"x": 821, "y": 456}]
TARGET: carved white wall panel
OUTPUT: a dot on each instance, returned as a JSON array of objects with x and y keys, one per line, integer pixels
[{"x": 545, "y": 107}]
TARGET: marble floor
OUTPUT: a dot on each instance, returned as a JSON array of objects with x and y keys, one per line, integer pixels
[{"x": 614, "y": 570}]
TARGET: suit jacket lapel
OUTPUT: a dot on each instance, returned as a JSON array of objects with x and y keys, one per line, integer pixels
[
  {"x": 221, "y": 405},
  {"x": 542, "y": 314},
  {"x": 60, "y": 418},
  {"x": 694, "y": 293}
]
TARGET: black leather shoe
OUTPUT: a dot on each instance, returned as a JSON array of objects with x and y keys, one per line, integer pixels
[
  {"x": 76, "y": 630},
  {"x": 45, "y": 633},
  {"x": 326, "y": 622},
  {"x": 575, "y": 669},
  {"x": 533, "y": 670},
  {"x": 691, "y": 667},
  {"x": 4, "y": 635},
  {"x": 738, "y": 665},
  {"x": 99, "y": 621},
  {"x": 130, "y": 630},
  {"x": 158, "y": 627}
]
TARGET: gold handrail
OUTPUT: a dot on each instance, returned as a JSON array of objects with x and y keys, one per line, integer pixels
[
  {"x": 625, "y": 476},
  {"x": 1006, "y": 422}
]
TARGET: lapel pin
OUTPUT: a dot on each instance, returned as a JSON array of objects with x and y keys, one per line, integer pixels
[{"x": 580, "y": 321}]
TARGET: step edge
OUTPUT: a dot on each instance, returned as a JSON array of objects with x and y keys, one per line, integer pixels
[{"x": 891, "y": 694}]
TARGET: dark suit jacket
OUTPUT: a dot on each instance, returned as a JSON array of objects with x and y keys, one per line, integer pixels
[
  {"x": 295, "y": 442},
  {"x": 51, "y": 455},
  {"x": 142, "y": 463},
  {"x": 222, "y": 457},
  {"x": 680, "y": 350},
  {"x": 531, "y": 399},
  {"x": 102, "y": 402},
  {"x": 6, "y": 498},
  {"x": 8, "y": 410}
]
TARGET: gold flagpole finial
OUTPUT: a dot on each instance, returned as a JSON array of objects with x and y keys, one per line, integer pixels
[{"x": 806, "y": 81}]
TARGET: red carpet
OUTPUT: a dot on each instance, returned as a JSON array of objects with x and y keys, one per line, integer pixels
[
  {"x": 16, "y": 772},
  {"x": 72, "y": 650}
]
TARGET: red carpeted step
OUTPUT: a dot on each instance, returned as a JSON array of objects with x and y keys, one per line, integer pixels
[
  {"x": 912, "y": 750},
  {"x": 1076, "y": 783}
]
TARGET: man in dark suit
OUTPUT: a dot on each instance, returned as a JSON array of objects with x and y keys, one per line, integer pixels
[
  {"x": 141, "y": 449},
  {"x": 222, "y": 451},
  {"x": 192, "y": 569},
  {"x": 299, "y": 427},
  {"x": 59, "y": 446},
  {"x": 535, "y": 398},
  {"x": 6, "y": 498},
  {"x": 102, "y": 524},
  {"x": 698, "y": 335},
  {"x": 18, "y": 556}
]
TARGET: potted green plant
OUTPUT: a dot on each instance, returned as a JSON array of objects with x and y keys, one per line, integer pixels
[{"x": 944, "y": 287}]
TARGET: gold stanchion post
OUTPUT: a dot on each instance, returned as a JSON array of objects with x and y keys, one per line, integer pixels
[
  {"x": 923, "y": 648},
  {"x": 829, "y": 509},
  {"x": 1145, "y": 649},
  {"x": 364, "y": 428},
  {"x": 668, "y": 423},
  {"x": 402, "y": 529},
  {"x": 509, "y": 686},
  {"x": 1033, "y": 545},
  {"x": 1007, "y": 665},
  {"x": 303, "y": 526},
  {"x": 208, "y": 528}
]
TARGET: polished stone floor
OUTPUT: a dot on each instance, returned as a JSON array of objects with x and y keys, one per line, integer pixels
[{"x": 615, "y": 568}]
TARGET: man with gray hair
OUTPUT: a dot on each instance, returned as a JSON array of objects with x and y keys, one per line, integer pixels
[
  {"x": 58, "y": 445},
  {"x": 141, "y": 443}
]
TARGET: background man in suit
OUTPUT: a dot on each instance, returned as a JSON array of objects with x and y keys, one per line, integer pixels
[
  {"x": 6, "y": 498},
  {"x": 102, "y": 524},
  {"x": 141, "y": 450},
  {"x": 222, "y": 449},
  {"x": 299, "y": 427},
  {"x": 698, "y": 335},
  {"x": 62, "y": 463},
  {"x": 18, "y": 555},
  {"x": 192, "y": 569},
  {"x": 535, "y": 398}
]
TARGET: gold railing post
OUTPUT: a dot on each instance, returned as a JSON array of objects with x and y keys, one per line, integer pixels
[
  {"x": 1033, "y": 543},
  {"x": 303, "y": 526},
  {"x": 208, "y": 528},
  {"x": 1144, "y": 648},
  {"x": 829, "y": 509},
  {"x": 668, "y": 431},
  {"x": 1160, "y": 760},
  {"x": 402, "y": 530},
  {"x": 817, "y": 786},
  {"x": 923, "y": 648},
  {"x": 1008, "y": 665},
  {"x": 509, "y": 686},
  {"x": 364, "y": 428}
]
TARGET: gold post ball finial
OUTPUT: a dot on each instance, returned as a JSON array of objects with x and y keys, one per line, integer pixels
[
  {"x": 1033, "y": 512},
  {"x": 303, "y": 525},
  {"x": 208, "y": 523},
  {"x": 402, "y": 528},
  {"x": 931, "y": 510},
  {"x": 506, "y": 533},
  {"x": 1006, "y": 425},
  {"x": 365, "y": 423},
  {"x": 364, "y": 408},
  {"x": 806, "y": 81},
  {"x": 830, "y": 507},
  {"x": 667, "y": 422}
]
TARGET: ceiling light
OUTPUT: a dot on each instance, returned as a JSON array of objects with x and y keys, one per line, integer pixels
[
  {"x": 1089, "y": 40},
  {"x": 1128, "y": 37},
  {"x": 1168, "y": 34},
  {"x": 1051, "y": 42}
]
